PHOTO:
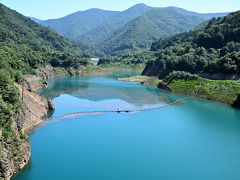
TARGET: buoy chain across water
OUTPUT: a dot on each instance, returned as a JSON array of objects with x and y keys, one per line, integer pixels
[{"x": 117, "y": 111}]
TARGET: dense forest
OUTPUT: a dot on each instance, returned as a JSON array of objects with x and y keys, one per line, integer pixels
[
  {"x": 128, "y": 59},
  {"x": 214, "y": 49},
  {"x": 101, "y": 32},
  {"x": 25, "y": 46},
  {"x": 143, "y": 30},
  {"x": 115, "y": 32},
  {"x": 79, "y": 23}
]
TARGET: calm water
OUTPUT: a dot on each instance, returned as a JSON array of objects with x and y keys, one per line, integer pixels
[{"x": 198, "y": 140}]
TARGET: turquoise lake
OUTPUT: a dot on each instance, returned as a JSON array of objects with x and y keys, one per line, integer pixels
[{"x": 195, "y": 140}]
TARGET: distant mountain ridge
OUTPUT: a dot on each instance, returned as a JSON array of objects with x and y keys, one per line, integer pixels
[
  {"x": 34, "y": 45},
  {"x": 143, "y": 30},
  {"x": 98, "y": 27},
  {"x": 73, "y": 25},
  {"x": 101, "y": 32}
]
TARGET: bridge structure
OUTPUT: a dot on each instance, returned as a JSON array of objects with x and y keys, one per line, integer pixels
[{"x": 179, "y": 101}]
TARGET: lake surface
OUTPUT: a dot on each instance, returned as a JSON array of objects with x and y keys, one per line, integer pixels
[{"x": 195, "y": 140}]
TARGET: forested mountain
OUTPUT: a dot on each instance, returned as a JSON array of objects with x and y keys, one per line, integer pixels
[
  {"x": 26, "y": 43},
  {"x": 101, "y": 32},
  {"x": 24, "y": 46},
  {"x": 76, "y": 24},
  {"x": 143, "y": 30},
  {"x": 93, "y": 26},
  {"x": 214, "y": 49},
  {"x": 135, "y": 28},
  {"x": 134, "y": 58}
]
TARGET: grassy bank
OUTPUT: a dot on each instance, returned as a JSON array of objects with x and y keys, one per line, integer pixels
[{"x": 224, "y": 91}]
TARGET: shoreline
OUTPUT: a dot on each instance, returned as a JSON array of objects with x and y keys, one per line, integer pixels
[
  {"x": 34, "y": 83},
  {"x": 194, "y": 88},
  {"x": 33, "y": 117},
  {"x": 16, "y": 152},
  {"x": 35, "y": 107}
]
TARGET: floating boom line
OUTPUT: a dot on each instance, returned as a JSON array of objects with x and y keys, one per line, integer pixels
[{"x": 118, "y": 111}]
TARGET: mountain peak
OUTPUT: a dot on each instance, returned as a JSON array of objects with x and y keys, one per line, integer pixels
[
  {"x": 138, "y": 8},
  {"x": 140, "y": 5}
]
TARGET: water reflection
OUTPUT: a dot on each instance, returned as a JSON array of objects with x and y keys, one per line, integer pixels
[
  {"x": 102, "y": 88},
  {"x": 197, "y": 141}
]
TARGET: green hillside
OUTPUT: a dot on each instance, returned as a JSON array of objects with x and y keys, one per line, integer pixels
[
  {"x": 214, "y": 49},
  {"x": 25, "y": 46},
  {"x": 94, "y": 25},
  {"x": 143, "y": 30},
  {"x": 136, "y": 28},
  {"x": 134, "y": 59},
  {"x": 101, "y": 32},
  {"x": 76, "y": 24},
  {"x": 24, "y": 42}
]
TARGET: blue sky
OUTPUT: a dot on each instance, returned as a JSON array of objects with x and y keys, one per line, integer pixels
[{"x": 46, "y": 9}]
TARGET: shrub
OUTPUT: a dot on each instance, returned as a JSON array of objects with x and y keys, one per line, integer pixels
[
  {"x": 23, "y": 136},
  {"x": 180, "y": 75}
]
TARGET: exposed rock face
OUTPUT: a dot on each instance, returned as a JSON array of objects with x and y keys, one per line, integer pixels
[
  {"x": 15, "y": 152},
  {"x": 237, "y": 102},
  {"x": 49, "y": 72},
  {"x": 164, "y": 87},
  {"x": 35, "y": 107},
  {"x": 36, "y": 82}
]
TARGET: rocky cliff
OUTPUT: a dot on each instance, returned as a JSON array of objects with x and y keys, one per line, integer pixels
[
  {"x": 15, "y": 151},
  {"x": 36, "y": 82}
]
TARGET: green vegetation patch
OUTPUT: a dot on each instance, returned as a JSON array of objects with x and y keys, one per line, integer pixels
[
  {"x": 225, "y": 91},
  {"x": 22, "y": 135},
  {"x": 214, "y": 49}
]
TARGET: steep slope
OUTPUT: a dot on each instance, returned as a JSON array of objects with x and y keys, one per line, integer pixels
[
  {"x": 143, "y": 30},
  {"x": 94, "y": 25},
  {"x": 211, "y": 51},
  {"x": 76, "y": 24},
  {"x": 220, "y": 31},
  {"x": 204, "y": 63},
  {"x": 102, "y": 31},
  {"x": 34, "y": 44},
  {"x": 25, "y": 46}
]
